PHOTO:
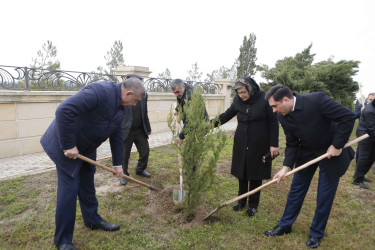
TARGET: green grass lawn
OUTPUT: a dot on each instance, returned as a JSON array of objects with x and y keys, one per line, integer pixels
[{"x": 150, "y": 220}]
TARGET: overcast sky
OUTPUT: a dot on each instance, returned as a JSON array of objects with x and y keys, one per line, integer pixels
[{"x": 174, "y": 34}]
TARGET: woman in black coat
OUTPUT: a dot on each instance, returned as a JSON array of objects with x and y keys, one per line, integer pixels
[{"x": 257, "y": 135}]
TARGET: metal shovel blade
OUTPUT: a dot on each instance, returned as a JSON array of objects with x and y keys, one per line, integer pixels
[{"x": 178, "y": 196}]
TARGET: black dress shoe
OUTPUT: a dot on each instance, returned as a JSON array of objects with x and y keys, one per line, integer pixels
[
  {"x": 238, "y": 207},
  {"x": 106, "y": 226},
  {"x": 313, "y": 242},
  {"x": 367, "y": 179},
  {"x": 251, "y": 211},
  {"x": 360, "y": 184},
  {"x": 143, "y": 173},
  {"x": 278, "y": 231},
  {"x": 66, "y": 247}
]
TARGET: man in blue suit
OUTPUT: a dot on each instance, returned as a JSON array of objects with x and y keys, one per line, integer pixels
[
  {"x": 137, "y": 128},
  {"x": 314, "y": 124},
  {"x": 83, "y": 122}
]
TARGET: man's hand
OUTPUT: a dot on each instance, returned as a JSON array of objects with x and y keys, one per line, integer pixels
[
  {"x": 332, "y": 151},
  {"x": 71, "y": 153},
  {"x": 274, "y": 151},
  {"x": 281, "y": 174},
  {"x": 149, "y": 133},
  {"x": 175, "y": 112},
  {"x": 179, "y": 141},
  {"x": 118, "y": 170}
]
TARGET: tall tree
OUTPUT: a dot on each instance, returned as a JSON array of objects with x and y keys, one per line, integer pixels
[
  {"x": 302, "y": 76},
  {"x": 247, "y": 58},
  {"x": 114, "y": 58},
  {"x": 165, "y": 74},
  {"x": 222, "y": 72},
  {"x": 43, "y": 65},
  {"x": 291, "y": 71},
  {"x": 46, "y": 57},
  {"x": 194, "y": 74},
  {"x": 338, "y": 79}
]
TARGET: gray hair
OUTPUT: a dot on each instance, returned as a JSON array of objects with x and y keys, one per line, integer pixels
[
  {"x": 135, "y": 85},
  {"x": 177, "y": 82}
]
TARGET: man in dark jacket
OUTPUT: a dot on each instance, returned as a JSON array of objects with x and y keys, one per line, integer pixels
[
  {"x": 83, "y": 122},
  {"x": 314, "y": 124},
  {"x": 136, "y": 127},
  {"x": 359, "y": 107},
  {"x": 183, "y": 92},
  {"x": 358, "y": 111},
  {"x": 366, "y": 157}
]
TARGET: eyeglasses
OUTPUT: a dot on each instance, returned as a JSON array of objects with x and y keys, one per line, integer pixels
[{"x": 242, "y": 93}]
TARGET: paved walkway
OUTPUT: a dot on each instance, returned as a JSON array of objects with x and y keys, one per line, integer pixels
[{"x": 40, "y": 162}]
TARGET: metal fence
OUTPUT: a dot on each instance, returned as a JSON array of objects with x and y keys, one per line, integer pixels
[{"x": 25, "y": 78}]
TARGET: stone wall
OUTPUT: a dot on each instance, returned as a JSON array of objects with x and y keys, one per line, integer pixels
[{"x": 25, "y": 115}]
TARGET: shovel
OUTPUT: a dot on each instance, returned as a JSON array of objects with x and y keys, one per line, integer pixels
[
  {"x": 178, "y": 195},
  {"x": 289, "y": 173},
  {"x": 155, "y": 185}
]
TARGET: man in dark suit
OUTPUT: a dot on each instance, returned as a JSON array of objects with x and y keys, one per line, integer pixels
[
  {"x": 83, "y": 122},
  {"x": 358, "y": 111},
  {"x": 359, "y": 107},
  {"x": 314, "y": 124},
  {"x": 366, "y": 152},
  {"x": 136, "y": 127}
]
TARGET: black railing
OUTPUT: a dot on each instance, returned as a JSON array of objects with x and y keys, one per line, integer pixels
[{"x": 24, "y": 78}]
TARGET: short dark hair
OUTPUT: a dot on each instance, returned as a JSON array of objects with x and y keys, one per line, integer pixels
[
  {"x": 177, "y": 82},
  {"x": 278, "y": 92}
]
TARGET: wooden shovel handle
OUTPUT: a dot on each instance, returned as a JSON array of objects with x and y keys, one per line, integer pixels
[
  {"x": 292, "y": 172},
  {"x": 360, "y": 92},
  {"x": 179, "y": 156},
  {"x": 84, "y": 158}
]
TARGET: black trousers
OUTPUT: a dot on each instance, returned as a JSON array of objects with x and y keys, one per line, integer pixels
[
  {"x": 366, "y": 157},
  {"x": 245, "y": 186},
  {"x": 139, "y": 138}
]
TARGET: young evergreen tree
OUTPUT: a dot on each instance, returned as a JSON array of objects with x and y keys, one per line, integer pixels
[{"x": 200, "y": 150}]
